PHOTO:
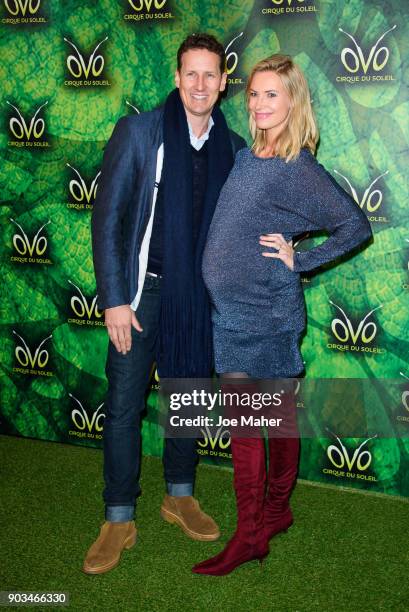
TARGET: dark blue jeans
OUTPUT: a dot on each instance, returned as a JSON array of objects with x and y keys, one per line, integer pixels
[{"x": 128, "y": 376}]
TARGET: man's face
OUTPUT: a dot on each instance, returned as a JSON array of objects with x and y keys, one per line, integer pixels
[{"x": 199, "y": 81}]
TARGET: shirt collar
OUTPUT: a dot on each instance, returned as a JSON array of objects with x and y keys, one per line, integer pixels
[{"x": 197, "y": 143}]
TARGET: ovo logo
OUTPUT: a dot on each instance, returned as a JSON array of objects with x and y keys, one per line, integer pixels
[
  {"x": 222, "y": 437},
  {"x": 232, "y": 58},
  {"x": 79, "y": 189},
  {"x": 405, "y": 394},
  {"x": 77, "y": 66},
  {"x": 37, "y": 246},
  {"x": 140, "y": 5},
  {"x": 371, "y": 199},
  {"x": 26, "y": 358},
  {"x": 16, "y": 7},
  {"x": 354, "y": 60},
  {"x": 344, "y": 330},
  {"x": 339, "y": 456},
  {"x": 80, "y": 306},
  {"x": 19, "y": 127},
  {"x": 289, "y": 2},
  {"x": 81, "y": 420}
]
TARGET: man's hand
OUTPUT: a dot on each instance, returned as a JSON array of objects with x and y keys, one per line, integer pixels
[{"x": 119, "y": 321}]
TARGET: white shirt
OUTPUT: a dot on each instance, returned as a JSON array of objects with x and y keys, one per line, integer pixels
[{"x": 197, "y": 143}]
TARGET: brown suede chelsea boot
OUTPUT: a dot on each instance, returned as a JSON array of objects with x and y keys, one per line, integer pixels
[
  {"x": 105, "y": 552},
  {"x": 186, "y": 512}
]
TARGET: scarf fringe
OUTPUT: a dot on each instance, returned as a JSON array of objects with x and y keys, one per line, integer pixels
[{"x": 185, "y": 341}]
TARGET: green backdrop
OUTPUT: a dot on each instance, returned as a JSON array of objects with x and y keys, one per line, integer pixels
[{"x": 69, "y": 70}]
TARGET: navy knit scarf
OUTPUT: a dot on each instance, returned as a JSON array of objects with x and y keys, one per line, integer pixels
[{"x": 185, "y": 338}]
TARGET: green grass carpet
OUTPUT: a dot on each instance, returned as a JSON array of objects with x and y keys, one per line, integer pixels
[{"x": 346, "y": 551}]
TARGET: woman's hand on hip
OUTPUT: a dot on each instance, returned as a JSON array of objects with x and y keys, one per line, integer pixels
[{"x": 285, "y": 250}]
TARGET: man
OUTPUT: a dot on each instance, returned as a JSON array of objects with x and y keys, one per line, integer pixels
[{"x": 161, "y": 177}]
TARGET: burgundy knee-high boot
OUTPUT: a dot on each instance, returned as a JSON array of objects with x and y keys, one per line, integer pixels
[
  {"x": 283, "y": 465},
  {"x": 249, "y": 541},
  {"x": 282, "y": 473}
]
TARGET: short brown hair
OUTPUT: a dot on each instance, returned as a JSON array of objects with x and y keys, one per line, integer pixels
[{"x": 202, "y": 41}]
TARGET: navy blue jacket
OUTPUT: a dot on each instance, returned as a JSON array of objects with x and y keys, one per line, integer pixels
[{"x": 123, "y": 204}]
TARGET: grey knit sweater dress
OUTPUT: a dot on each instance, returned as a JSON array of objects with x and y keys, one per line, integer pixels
[{"x": 258, "y": 309}]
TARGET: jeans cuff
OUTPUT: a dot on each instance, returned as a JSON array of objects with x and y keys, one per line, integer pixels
[
  {"x": 179, "y": 489},
  {"x": 119, "y": 514}
]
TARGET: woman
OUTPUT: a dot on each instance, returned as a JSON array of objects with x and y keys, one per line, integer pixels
[{"x": 275, "y": 191}]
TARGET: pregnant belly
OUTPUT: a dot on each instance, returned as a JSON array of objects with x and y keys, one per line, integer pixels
[
  {"x": 235, "y": 272},
  {"x": 248, "y": 278}
]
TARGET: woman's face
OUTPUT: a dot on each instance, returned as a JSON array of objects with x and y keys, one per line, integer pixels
[{"x": 269, "y": 103}]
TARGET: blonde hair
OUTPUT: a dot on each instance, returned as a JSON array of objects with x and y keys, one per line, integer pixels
[{"x": 301, "y": 129}]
